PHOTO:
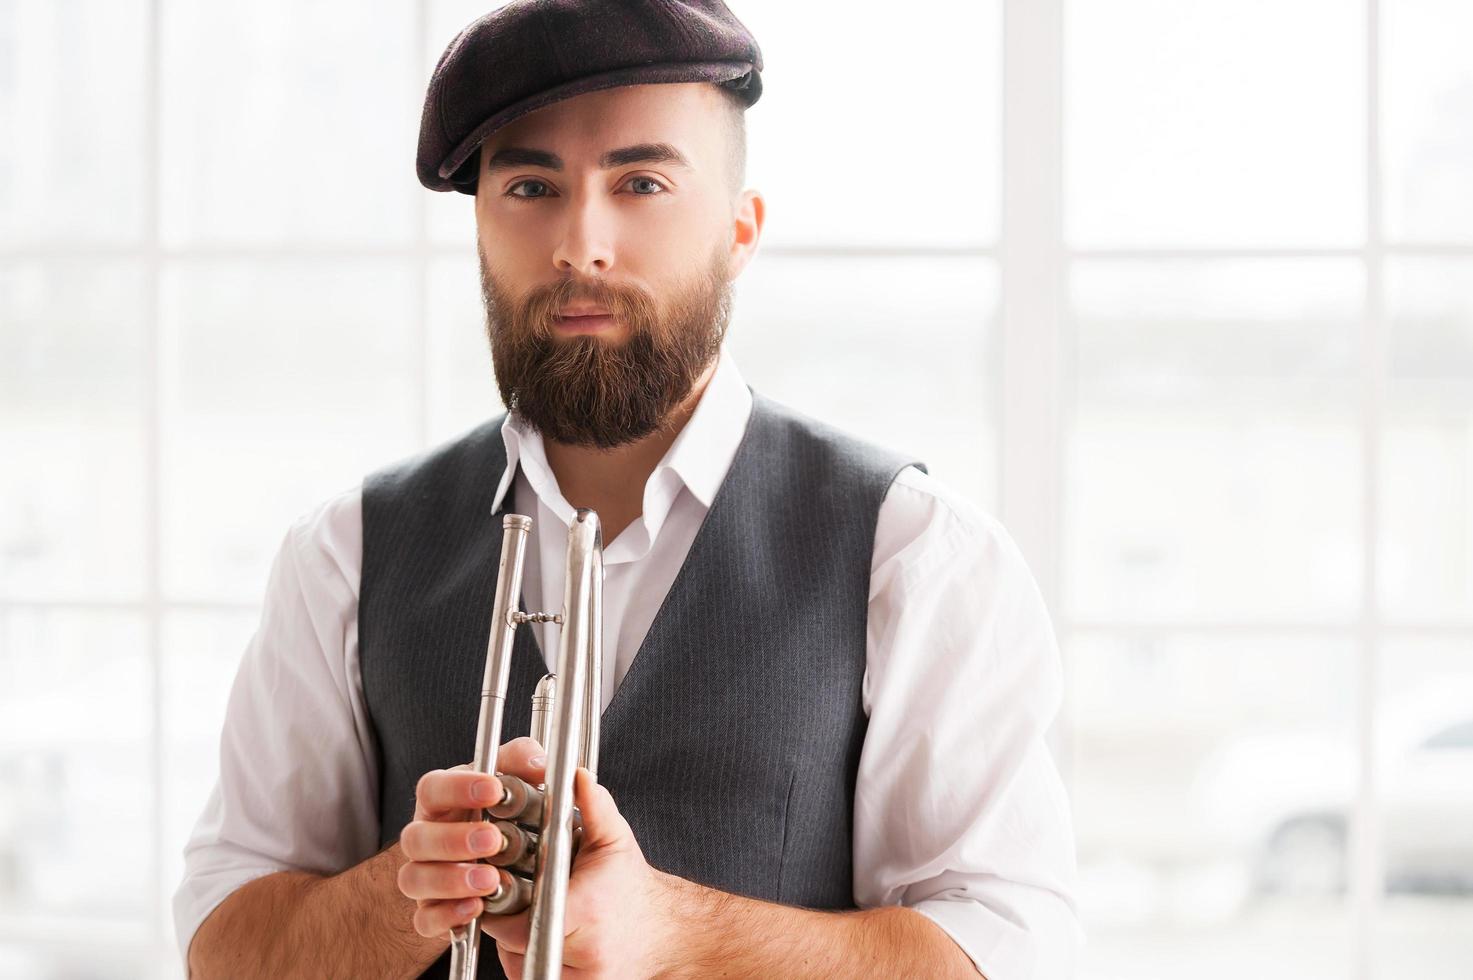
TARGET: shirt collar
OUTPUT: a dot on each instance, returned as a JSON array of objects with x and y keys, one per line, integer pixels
[{"x": 697, "y": 460}]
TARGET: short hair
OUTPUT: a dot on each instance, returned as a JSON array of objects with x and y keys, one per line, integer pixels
[{"x": 736, "y": 138}]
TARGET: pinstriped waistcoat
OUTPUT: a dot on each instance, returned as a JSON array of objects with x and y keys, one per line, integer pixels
[{"x": 732, "y": 743}]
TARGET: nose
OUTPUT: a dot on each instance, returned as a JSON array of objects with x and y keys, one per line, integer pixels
[{"x": 585, "y": 246}]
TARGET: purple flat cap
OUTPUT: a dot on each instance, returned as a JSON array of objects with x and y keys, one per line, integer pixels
[{"x": 532, "y": 53}]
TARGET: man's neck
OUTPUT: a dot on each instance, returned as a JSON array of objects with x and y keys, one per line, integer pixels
[{"x": 611, "y": 481}]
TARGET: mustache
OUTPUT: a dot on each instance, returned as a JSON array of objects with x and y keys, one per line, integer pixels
[{"x": 630, "y": 304}]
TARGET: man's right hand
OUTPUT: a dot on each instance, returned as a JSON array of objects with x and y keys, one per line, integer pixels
[{"x": 445, "y": 839}]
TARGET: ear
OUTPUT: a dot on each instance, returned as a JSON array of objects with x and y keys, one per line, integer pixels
[{"x": 746, "y": 230}]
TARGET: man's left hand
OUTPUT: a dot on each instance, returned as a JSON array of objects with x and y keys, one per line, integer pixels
[{"x": 620, "y": 911}]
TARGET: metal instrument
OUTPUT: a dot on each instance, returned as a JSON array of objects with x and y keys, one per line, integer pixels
[{"x": 565, "y": 716}]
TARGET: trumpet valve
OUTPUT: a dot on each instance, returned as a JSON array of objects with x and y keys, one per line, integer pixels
[
  {"x": 520, "y": 852},
  {"x": 508, "y": 899},
  {"x": 520, "y": 801}
]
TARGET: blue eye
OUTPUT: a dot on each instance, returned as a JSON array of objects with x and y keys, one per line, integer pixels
[
  {"x": 648, "y": 180},
  {"x": 659, "y": 188},
  {"x": 522, "y": 183}
]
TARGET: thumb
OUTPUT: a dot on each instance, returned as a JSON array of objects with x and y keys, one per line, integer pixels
[{"x": 603, "y": 824}]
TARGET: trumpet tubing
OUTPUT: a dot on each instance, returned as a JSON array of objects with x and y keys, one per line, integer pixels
[{"x": 541, "y": 825}]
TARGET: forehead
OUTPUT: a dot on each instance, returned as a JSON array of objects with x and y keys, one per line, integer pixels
[{"x": 684, "y": 114}]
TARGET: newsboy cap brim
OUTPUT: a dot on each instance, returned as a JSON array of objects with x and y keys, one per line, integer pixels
[{"x": 525, "y": 56}]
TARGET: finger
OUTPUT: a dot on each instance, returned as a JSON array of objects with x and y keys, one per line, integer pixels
[
  {"x": 511, "y": 932},
  {"x": 445, "y": 794},
  {"x": 603, "y": 824},
  {"x": 524, "y": 758},
  {"x": 433, "y": 920},
  {"x": 430, "y": 840},
  {"x": 442, "y": 880}
]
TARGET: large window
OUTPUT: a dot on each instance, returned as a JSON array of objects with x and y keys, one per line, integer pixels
[
  {"x": 1266, "y": 569},
  {"x": 1180, "y": 291}
]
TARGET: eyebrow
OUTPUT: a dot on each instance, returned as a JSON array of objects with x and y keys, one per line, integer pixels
[{"x": 520, "y": 156}]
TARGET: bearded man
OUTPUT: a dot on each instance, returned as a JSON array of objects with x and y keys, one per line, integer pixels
[{"x": 827, "y": 678}]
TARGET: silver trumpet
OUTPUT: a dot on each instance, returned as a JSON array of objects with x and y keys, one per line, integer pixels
[{"x": 565, "y": 715}]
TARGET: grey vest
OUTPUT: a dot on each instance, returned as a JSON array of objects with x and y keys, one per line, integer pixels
[{"x": 732, "y": 743}]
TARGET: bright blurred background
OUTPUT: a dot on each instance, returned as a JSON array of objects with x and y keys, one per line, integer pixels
[{"x": 1181, "y": 290}]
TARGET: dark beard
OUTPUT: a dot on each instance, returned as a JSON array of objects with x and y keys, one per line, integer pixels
[{"x": 585, "y": 391}]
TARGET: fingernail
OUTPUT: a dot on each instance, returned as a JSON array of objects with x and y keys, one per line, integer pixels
[
  {"x": 487, "y": 841},
  {"x": 485, "y": 791},
  {"x": 484, "y": 878},
  {"x": 537, "y": 761},
  {"x": 467, "y": 907}
]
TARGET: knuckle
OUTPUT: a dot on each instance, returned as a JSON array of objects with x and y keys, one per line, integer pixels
[
  {"x": 411, "y": 841},
  {"x": 408, "y": 883},
  {"x": 441, "y": 915},
  {"x": 426, "y": 784}
]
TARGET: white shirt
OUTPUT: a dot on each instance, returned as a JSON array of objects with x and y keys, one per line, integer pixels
[{"x": 959, "y": 811}]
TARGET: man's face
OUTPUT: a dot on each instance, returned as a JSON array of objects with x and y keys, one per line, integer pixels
[{"x": 575, "y": 228}]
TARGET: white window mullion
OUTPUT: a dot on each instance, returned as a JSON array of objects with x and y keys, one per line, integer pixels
[
  {"x": 1032, "y": 282},
  {"x": 422, "y": 250},
  {"x": 1032, "y": 277},
  {"x": 153, "y": 491},
  {"x": 1366, "y": 878}
]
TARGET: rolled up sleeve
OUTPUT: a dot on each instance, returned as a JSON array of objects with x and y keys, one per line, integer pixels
[
  {"x": 960, "y": 811},
  {"x": 297, "y": 782}
]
